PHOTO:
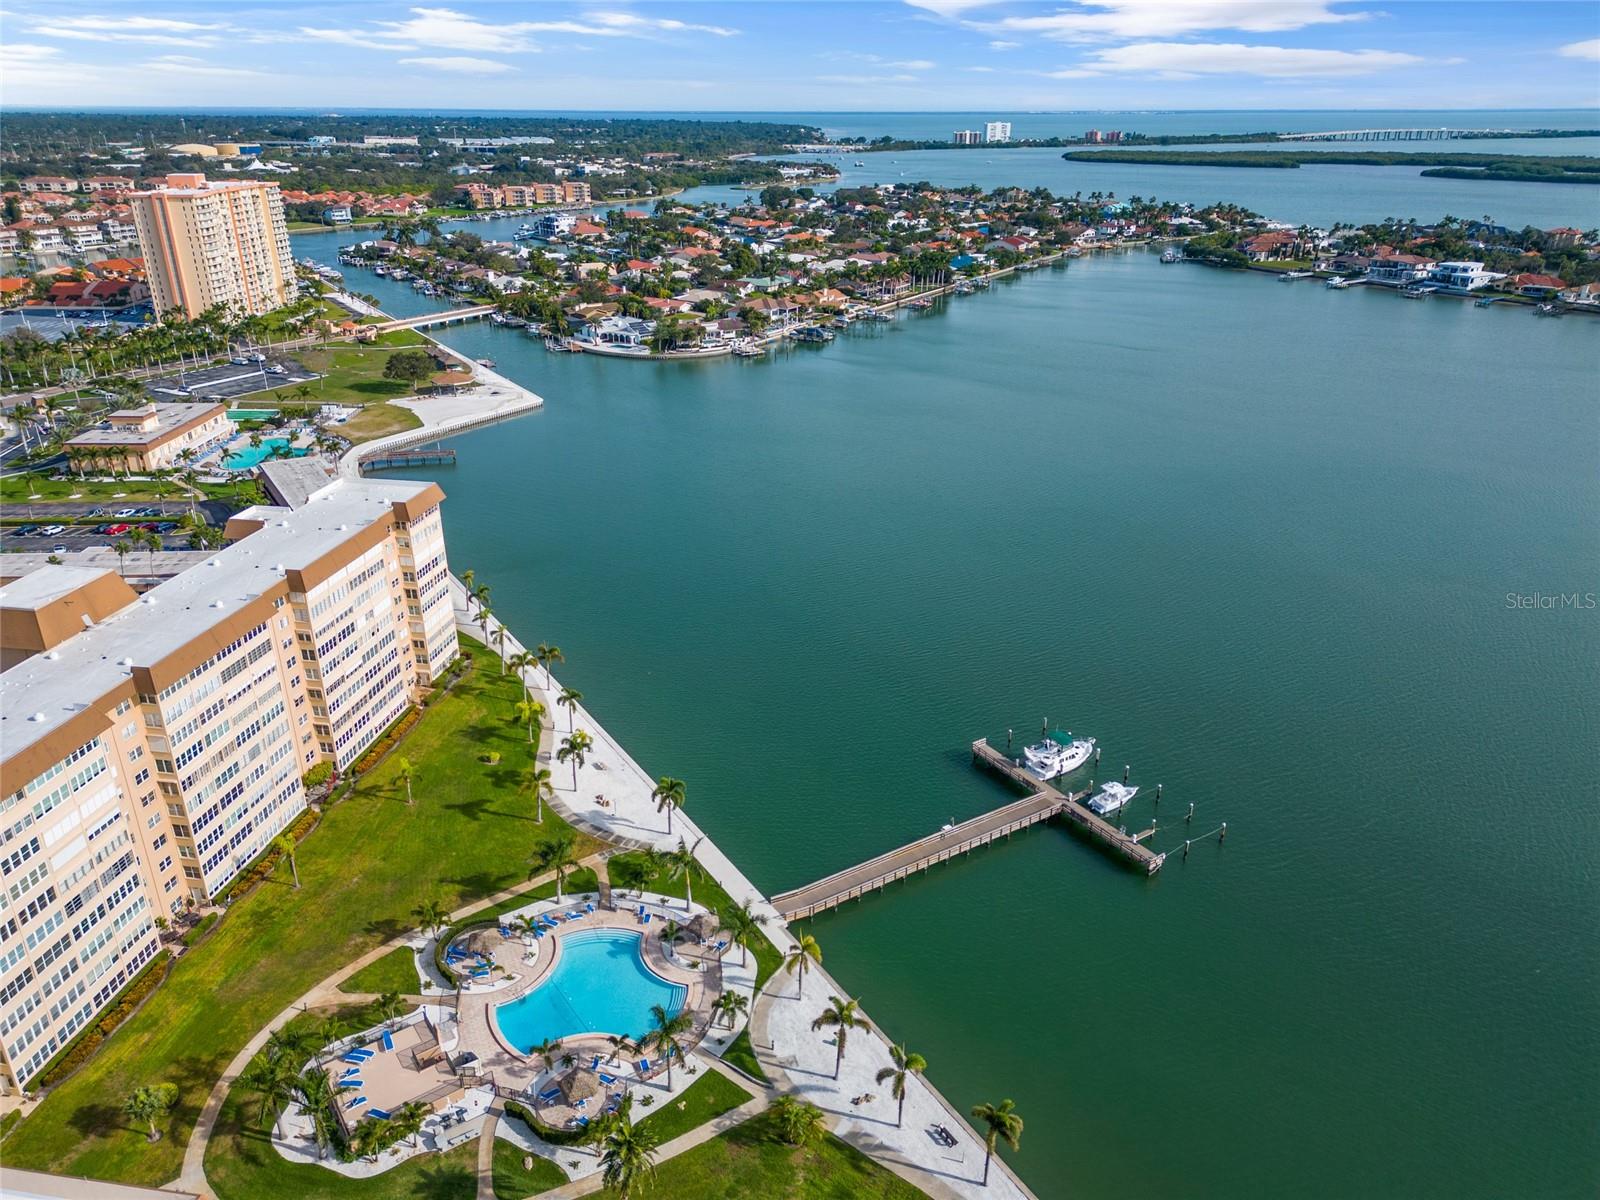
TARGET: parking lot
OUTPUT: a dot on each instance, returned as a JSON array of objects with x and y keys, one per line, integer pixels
[
  {"x": 230, "y": 380},
  {"x": 46, "y": 532}
]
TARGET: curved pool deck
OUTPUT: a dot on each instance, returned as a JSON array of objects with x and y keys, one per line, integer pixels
[{"x": 477, "y": 1019}]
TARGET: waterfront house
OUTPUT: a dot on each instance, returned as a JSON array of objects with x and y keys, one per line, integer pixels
[
  {"x": 1462, "y": 276},
  {"x": 1560, "y": 239},
  {"x": 1585, "y": 296},
  {"x": 1399, "y": 269},
  {"x": 1536, "y": 287},
  {"x": 1345, "y": 263},
  {"x": 617, "y": 330}
]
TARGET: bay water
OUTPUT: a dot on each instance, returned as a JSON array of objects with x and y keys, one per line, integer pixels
[{"x": 1319, "y": 563}]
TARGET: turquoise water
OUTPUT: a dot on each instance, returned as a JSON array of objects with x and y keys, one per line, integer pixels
[
  {"x": 1255, "y": 537},
  {"x": 600, "y": 985},
  {"x": 251, "y": 414},
  {"x": 250, "y": 456}
]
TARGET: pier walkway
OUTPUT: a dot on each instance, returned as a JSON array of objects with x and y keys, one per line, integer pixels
[
  {"x": 1042, "y": 803},
  {"x": 475, "y": 312},
  {"x": 919, "y": 855},
  {"x": 1394, "y": 135}
]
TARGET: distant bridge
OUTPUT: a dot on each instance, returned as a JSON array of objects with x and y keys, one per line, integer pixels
[
  {"x": 475, "y": 312},
  {"x": 1395, "y": 135}
]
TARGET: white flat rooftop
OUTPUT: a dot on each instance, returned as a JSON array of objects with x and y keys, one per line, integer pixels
[
  {"x": 51, "y": 582},
  {"x": 61, "y": 683}
]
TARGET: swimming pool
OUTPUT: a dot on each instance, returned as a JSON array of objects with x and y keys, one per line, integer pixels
[
  {"x": 250, "y": 456},
  {"x": 600, "y": 985},
  {"x": 252, "y": 414}
]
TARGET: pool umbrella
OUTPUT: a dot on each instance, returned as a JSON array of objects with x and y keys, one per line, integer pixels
[
  {"x": 483, "y": 941},
  {"x": 578, "y": 1084}
]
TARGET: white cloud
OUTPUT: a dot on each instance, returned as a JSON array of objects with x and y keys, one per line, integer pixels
[
  {"x": 461, "y": 64},
  {"x": 1000, "y": 45},
  {"x": 1178, "y": 59},
  {"x": 158, "y": 31},
  {"x": 900, "y": 64},
  {"x": 187, "y": 65},
  {"x": 1097, "y": 20},
  {"x": 1589, "y": 50},
  {"x": 868, "y": 80},
  {"x": 447, "y": 29},
  {"x": 979, "y": 70}
]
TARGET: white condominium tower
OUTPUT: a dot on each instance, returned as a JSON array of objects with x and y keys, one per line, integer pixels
[
  {"x": 997, "y": 131},
  {"x": 207, "y": 243}
]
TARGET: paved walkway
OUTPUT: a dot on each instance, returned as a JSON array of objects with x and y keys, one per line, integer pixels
[
  {"x": 801, "y": 1058},
  {"x": 323, "y": 994},
  {"x": 486, "y": 1152}
]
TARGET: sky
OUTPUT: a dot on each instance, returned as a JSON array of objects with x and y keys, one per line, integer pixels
[{"x": 782, "y": 55}]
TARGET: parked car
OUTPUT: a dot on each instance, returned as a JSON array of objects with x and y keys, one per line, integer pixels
[
  {"x": 97, "y": 512},
  {"x": 114, "y": 530},
  {"x": 27, "y": 530},
  {"x": 126, "y": 512},
  {"x": 53, "y": 530}
]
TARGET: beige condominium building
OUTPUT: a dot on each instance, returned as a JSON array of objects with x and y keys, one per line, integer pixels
[
  {"x": 207, "y": 243},
  {"x": 151, "y": 746},
  {"x": 152, "y": 437}
]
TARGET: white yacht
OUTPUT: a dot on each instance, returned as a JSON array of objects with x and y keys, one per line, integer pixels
[
  {"x": 1057, "y": 754},
  {"x": 1112, "y": 797},
  {"x": 1338, "y": 281}
]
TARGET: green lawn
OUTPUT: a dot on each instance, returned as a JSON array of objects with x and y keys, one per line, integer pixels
[
  {"x": 751, "y": 1160},
  {"x": 743, "y": 1055},
  {"x": 378, "y": 420},
  {"x": 352, "y": 373},
  {"x": 711, "y": 1095},
  {"x": 707, "y": 892},
  {"x": 369, "y": 863},
  {"x": 396, "y": 971},
  {"x": 512, "y": 1182},
  {"x": 18, "y": 489}
]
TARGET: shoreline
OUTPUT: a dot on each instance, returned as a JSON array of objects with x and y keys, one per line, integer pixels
[{"x": 780, "y": 1030}]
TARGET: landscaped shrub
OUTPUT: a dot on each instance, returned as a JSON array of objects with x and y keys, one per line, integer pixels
[
  {"x": 545, "y": 1133},
  {"x": 317, "y": 776},
  {"x": 193, "y": 935},
  {"x": 388, "y": 741},
  {"x": 82, "y": 1048},
  {"x": 265, "y": 863}
]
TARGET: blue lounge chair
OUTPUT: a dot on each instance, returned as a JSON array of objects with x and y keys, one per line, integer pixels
[
  {"x": 642, "y": 1067},
  {"x": 381, "y": 1114},
  {"x": 550, "y": 1094},
  {"x": 354, "y": 1083},
  {"x": 606, "y": 1080},
  {"x": 595, "y": 1065},
  {"x": 583, "y": 1122},
  {"x": 363, "y": 1052},
  {"x": 589, "y": 907},
  {"x": 647, "y": 918},
  {"x": 387, "y": 1040},
  {"x": 356, "y": 1102},
  {"x": 639, "y": 912},
  {"x": 355, "y": 1058}
]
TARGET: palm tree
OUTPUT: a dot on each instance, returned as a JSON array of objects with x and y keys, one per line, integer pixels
[
  {"x": 844, "y": 1016},
  {"x": 743, "y": 925},
  {"x": 575, "y": 748},
  {"x": 366, "y": 1139},
  {"x": 520, "y": 663},
  {"x": 547, "y": 1050},
  {"x": 538, "y": 780},
  {"x": 481, "y": 595},
  {"x": 669, "y": 797},
  {"x": 531, "y": 711},
  {"x": 619, "y": 1043},
  {"x": 568, "y": 699},
  {"x": 390, "y": 1006},
  {"x": 547, "y": 654},
  {"x": 149, "y": 1104},
  {"x": 528, "y": 927},
  {"x": 316, "y": 1094},
  {"x": 404, "y": 767},
  {"x": 805, "y": 952},
  {"x": 555, "y": 855},
  {"x": 729, "y": 1005},
  {"x": 468, "y": 578},
  {"x": 663, "y": 1039},
  {"x": 497, "y": 638},
  {"x": 799, "y": 1121},
  {"x": 284, "y": 845},
  {"x": 682, "y": 864},
  {"x": 431, "y": 916},
  {"x": 122, "y": 547},
  {"x": 1000, "y": 1123},
  {"x": 628, "y": 1159},
  {"x": 905, "y": 1065},
  {"x": 406, "y": 1122},
  {"x": 273, "y": 1077},
  {"x": 485, "y": 615}
]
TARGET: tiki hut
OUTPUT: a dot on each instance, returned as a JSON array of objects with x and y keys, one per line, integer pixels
[
  {"x": 578, "y": 1084},
  {"x": 483, "y": 941},
  {"x": 702, "y": 927}
]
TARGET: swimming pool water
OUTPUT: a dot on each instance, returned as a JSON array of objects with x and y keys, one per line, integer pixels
[
  {"x": 250, "y": 456},
  {"x": 252, "y": 414},
  {"x": 599, "y": 985}
]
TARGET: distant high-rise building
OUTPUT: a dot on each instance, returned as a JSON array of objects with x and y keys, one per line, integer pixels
[
  {"x": 210, "y": 243},
  {"x": 997, "y": 131},
  {"x": 967, "y": 137},
  {"x": 1096, "y": 137}
]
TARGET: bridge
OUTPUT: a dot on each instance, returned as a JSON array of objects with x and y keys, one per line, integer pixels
[
  {"x": 475, "y": 312},
  {"x": 1396, "y": 135},
  {"x": 1042, "y": 803}
]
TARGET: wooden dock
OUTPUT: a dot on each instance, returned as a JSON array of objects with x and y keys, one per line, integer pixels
[
  {"x": 1042, "y": 803},
  {"x": 385, "y": 460},
  {"x": 1128, "y": 846}
]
